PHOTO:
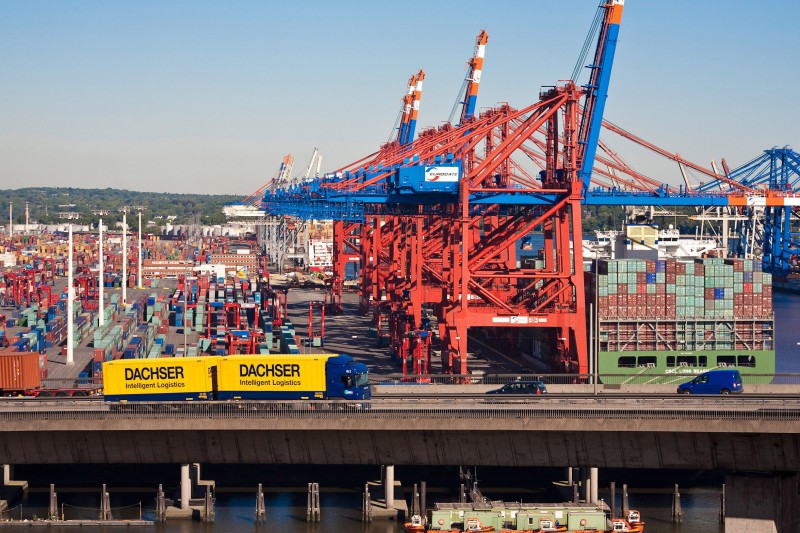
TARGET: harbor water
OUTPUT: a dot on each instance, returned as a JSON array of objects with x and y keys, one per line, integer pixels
[{"x": 341, "y": 500}]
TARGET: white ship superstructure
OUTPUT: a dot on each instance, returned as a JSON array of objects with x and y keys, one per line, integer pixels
[{"x": 641, "y": 240}]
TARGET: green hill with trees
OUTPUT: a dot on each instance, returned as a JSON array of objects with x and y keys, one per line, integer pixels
[{"x": 45, "y": 204}]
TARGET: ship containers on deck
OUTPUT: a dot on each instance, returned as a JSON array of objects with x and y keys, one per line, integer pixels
[{"x": 159, "y": 379}]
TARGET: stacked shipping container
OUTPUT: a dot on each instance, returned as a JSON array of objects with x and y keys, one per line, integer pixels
[{"x": 706, "y": 288}]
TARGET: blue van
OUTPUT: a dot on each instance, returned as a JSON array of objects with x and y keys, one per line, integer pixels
[{"x": 714, "y": 382}]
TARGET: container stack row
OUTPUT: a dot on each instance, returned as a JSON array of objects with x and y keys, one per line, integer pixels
[
  {"x": 287, "y": 343},
  {"x": 131, "y": 333},
  {"x": 666, "y": 305},
  {"x": 669, "y": 289}
]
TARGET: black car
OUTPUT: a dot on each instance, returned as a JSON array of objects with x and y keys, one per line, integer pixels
[{"x": 521, "y": 387}]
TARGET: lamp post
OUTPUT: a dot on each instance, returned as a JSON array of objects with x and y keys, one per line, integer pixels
[
  {"x": 124, "y": 257},
  {"x": 70, "y": 301},
  {"x": 185, "y": 314},
  {"x": 100, "y": 275},
  {"x": 140, "y": 252}
]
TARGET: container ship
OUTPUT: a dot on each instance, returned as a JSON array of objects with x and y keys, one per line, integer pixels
[{"x": 661, "y": 316}]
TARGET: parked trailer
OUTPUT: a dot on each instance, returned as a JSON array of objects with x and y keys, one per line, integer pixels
[
  {"x": 236, "y": 377},
  {"x": 21, "y": 375},
  {"x": 19, "y": 372}
]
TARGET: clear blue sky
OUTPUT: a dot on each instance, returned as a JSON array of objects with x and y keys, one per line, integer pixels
[{"x": 208, "y": 96}]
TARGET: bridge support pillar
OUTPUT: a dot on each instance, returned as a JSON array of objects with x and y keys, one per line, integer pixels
[
  {"x": 586, "y": 484},
  {"x": 594, "y": 474},
  {"x": 389, "y": 486},
  {"x": 196, "y": 496},
  {"x": 8, "y": 478},
  {"x": 186, "y": 487},
  {"x": 766, "y": 503},
  {"x": 10, "y": 489}
]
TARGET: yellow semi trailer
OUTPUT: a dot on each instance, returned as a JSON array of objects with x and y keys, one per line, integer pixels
[{"x": 236, "y": 377}]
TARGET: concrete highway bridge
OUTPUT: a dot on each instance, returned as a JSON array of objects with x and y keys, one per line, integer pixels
[
  {"x": 721, "y": 433},
  {"x": 736, "y": 434}
]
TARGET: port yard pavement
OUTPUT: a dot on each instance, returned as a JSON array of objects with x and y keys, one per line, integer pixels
[{"x": 347, "y": 333}]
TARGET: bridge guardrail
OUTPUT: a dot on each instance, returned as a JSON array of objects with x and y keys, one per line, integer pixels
[
  {"x": 680, "y": 409},
  {"x": 642, "y": 378}
]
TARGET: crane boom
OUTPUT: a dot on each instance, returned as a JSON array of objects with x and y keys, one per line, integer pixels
[
  {"x": 474, "y": 79},
  {"x": 416, "y": 97},
  {"x": 408, "y": 102},
  {"x": 597, "y": 89}
]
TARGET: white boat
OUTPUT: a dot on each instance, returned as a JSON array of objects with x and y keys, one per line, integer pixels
[{"x": 643, "y": 240}]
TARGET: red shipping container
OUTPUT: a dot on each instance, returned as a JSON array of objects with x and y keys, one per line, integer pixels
[
  {"x": 747, "y": 288},
  {"x": 19, "y": 371},
  {"x": 43, "y": 373},
  {"x": 650, "y": 266},
  {"x": 661, "y": 288},
  {"x": 641, "y": 277},
  {"x": 671, "y": 299},
  {"x": 671, "y": 267},
  {"x": 99, "y": 354},
  {"x": 612, "y": 299},
  {"x": 671, "y": 277},
  {"x": 709, "y": 294}
]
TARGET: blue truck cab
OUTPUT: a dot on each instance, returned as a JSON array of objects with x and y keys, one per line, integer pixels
[
  {"x": 347, "y": 379},
  {"x": 724, "y": 381}
]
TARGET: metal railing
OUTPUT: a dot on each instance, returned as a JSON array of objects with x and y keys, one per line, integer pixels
[
  {"x": 72, "y": 383},
  {"x": 682, "y": 409},
  {"x": 641, "y": 378}
]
